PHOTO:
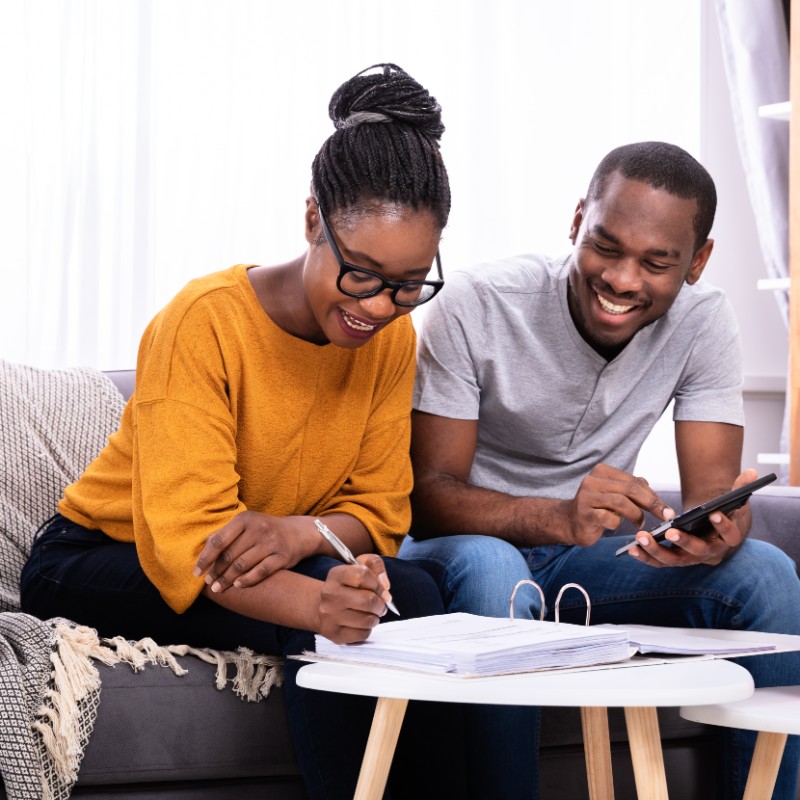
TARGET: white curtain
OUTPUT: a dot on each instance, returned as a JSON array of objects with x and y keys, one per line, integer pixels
[
  {"x": 77, "y": 166},
  {"x": 146, "y": 142},
  {"x": 756, "y": 55},
  {"x": 755, "y": 50}
]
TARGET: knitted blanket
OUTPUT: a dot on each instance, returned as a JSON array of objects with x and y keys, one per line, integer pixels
[
  {"x": 52, "y": 424},
  {"x": 50, "y": 692}
]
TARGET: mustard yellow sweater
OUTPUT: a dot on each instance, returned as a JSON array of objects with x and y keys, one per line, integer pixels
[{"x": 232, "y": 413}]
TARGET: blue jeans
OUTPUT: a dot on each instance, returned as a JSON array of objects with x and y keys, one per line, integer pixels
[
  {"x": 94, "y": 580},
  {"x": 756, "y": 589}
]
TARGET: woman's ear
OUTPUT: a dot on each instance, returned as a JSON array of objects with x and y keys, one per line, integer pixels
[{"x": 313, "y": 228}]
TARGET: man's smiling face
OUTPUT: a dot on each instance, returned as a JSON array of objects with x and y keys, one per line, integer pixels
[{"x": 634, "y": 248}]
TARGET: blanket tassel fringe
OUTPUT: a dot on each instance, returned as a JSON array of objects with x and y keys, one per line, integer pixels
[{"x": 76, "y": 685}]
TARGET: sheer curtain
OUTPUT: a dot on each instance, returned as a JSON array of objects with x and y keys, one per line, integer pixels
[
  {"x": 78, "y": 206},
  {"x": 145, "y": 143},
  {"x": 755, "y": 49}
]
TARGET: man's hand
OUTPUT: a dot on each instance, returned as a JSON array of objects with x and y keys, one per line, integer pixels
[
  {"x": 729, "y": 532},
  {"x": 605, "y": 497},
  {"x": 253, "y": 546},
  {"x": 353, "y": 600}
]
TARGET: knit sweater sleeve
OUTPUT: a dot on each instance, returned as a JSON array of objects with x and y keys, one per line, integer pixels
[{"x": 184, "y": 480}]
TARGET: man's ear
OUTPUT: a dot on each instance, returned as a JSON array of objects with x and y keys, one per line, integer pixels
[
  {"x": 577, "y": 218},
  {"x": 313, "y": 227},
  {"x": 699, "y": 262}
]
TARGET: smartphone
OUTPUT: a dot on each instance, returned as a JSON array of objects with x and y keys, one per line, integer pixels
[{"x": 695, "y": 520}]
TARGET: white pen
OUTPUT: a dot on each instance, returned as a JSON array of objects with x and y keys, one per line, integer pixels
[{"x": 344, "y": 551}]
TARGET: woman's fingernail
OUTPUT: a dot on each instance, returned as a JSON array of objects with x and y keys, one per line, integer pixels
[
  {"x": 209, "y": 579},
  {"x": 216, "y": 586},
  {"x": 642, "y": 541},
  {"x": 383, "y": 579},
  {"x": 716, "y": 518},
  {"x": 197, "y": 572}
]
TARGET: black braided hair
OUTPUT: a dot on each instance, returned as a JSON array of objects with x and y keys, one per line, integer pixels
[
  {"x": 662, "y": 166},
  {"x": 385, "y": 147}
]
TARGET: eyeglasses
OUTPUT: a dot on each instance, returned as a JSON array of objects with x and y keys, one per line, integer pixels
[{"x": 361, "y": 282}]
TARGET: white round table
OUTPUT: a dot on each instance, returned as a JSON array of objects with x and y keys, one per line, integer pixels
[
  {"x": 774, "y": 713},
  {"x": 637, "y": 689}
]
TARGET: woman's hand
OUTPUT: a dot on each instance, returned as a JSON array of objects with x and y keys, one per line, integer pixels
[
  {"x": 253, "y": 546},
  {"x": 353, "y": 600}
]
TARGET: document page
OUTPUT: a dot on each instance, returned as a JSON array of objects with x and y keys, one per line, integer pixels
[{"x": 467, "y": 644}]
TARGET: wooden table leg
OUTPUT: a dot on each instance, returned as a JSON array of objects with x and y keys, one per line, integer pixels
[
  {"x": 597, "y": 750},
  {"x": 648, "y": 759},
  {"x": 764, "y": 767},
  {"x": 382, "y": 741}
]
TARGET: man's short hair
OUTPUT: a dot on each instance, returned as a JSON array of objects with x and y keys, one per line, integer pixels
[{"x": 662, "y": 166}]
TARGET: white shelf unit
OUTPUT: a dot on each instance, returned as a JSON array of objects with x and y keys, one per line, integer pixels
[
  {"x": 773, "y": 458},
  {"x": 774, "y": 283},
  {"x": 776, "y": 110}
]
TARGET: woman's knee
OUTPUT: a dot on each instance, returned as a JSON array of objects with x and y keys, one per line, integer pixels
[{"x": 414, "y": 591}]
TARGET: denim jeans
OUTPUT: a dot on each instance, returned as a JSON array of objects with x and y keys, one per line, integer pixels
[
  {"x": 756, "y": 589},
  {"x": 94, "y": 580}
]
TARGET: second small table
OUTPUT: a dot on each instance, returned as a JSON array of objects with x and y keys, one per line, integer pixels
[
  {"x": 637, "y": 689},
  {"x": 774, "y": 713}
]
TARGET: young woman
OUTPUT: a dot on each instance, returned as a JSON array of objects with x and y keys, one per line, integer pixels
[{"x": 268, "y": 397}]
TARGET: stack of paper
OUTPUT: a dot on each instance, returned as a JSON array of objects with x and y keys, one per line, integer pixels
[{"x": 465, "y": 644}]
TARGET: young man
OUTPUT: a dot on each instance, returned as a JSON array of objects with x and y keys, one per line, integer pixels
[{"x": 538, "y": 380}]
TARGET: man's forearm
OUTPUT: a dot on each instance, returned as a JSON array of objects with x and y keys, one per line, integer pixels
[{"x": 444, "y": 506}]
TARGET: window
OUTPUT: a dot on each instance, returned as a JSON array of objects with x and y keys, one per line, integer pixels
[{"x": 147, "y": 143}]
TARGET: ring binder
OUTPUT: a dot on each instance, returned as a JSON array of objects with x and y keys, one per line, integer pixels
[
  {"x": 558, "y": 599},
  {"x": 513, "y": 595},
  {"x": 580, "y": 589}
]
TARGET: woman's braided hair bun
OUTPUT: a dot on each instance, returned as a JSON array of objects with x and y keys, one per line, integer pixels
[
  {"x": 386, "y": 93},
  {"x": 385, "y": 147}
]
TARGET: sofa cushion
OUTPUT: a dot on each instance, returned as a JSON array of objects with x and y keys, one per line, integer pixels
[{"x": 52, "y": 424}]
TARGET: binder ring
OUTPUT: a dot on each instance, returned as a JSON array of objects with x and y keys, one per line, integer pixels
[
  {"x": 541, "y": 595},
  {"x": 582, "y": 590}
]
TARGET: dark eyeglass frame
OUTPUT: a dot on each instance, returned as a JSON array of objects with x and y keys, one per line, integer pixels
[{"x": 395, "y": 286}]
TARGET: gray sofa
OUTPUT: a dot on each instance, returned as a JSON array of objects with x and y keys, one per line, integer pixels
[{"x": 178, "y": 738}]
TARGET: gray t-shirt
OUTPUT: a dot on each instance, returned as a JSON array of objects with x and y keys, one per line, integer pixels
[{"x": 499, "y": 345}]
